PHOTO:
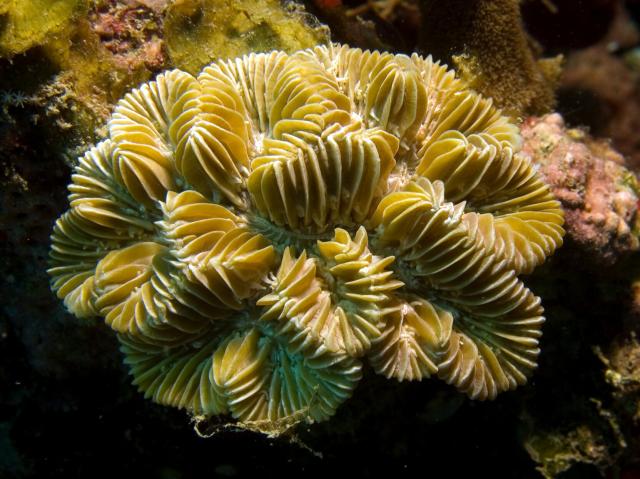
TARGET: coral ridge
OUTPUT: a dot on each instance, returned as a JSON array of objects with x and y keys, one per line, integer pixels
[{"x": 255, "y": 233}]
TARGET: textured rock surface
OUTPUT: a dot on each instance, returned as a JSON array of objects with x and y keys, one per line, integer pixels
[{"x": 598, "y": 193}]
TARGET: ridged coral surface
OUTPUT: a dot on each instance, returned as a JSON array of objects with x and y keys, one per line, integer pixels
[{"x": 255, "y": 233}]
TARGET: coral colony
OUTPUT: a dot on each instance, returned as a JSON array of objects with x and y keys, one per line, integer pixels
[{"x": 254, "y": 234}]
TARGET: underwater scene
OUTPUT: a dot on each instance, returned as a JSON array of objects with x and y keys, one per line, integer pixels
[{"x": 249, "y": 238}]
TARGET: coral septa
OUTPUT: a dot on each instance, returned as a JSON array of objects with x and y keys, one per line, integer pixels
[
  {"x": 254, "y": 231},
  {"x": 263, "y": 380}
]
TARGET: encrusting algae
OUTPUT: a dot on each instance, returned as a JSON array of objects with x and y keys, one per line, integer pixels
[
  {"x": 96, "y": 51},
  {"x": 198, "y": 31},
  {"x": 28, "y": 23},
  {"x": 254, "y": 233}
]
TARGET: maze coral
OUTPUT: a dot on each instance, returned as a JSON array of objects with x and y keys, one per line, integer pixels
[{"x": 255, "y": 233}]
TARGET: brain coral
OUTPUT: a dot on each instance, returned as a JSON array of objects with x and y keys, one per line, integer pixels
[{"x": 255, "y": 233}]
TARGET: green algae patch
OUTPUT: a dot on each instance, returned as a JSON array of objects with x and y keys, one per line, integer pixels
[
  {"x": 200, "y": 31},
  {"x": 28, "y": 23}
]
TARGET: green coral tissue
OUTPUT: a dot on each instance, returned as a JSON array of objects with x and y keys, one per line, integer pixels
[{"x": 255, "y": 233}]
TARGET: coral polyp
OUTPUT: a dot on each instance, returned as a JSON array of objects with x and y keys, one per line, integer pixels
[{"x": 254, "y": 234}]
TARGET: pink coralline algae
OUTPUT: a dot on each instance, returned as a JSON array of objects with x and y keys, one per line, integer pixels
[
  {"x": 131, "y": 31},
  {"x": 598, "y": 193}
]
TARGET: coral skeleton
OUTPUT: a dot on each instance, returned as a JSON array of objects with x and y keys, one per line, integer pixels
[{"x": 256, "y": 233}]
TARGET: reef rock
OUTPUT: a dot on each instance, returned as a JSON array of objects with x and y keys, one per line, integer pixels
[{"x": 598, "y": 193}]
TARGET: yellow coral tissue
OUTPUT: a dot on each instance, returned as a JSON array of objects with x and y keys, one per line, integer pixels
[{"x": 255, "y": 233}]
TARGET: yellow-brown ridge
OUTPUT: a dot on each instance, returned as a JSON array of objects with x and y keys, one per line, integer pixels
[{"x": 254, "y": 233}]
